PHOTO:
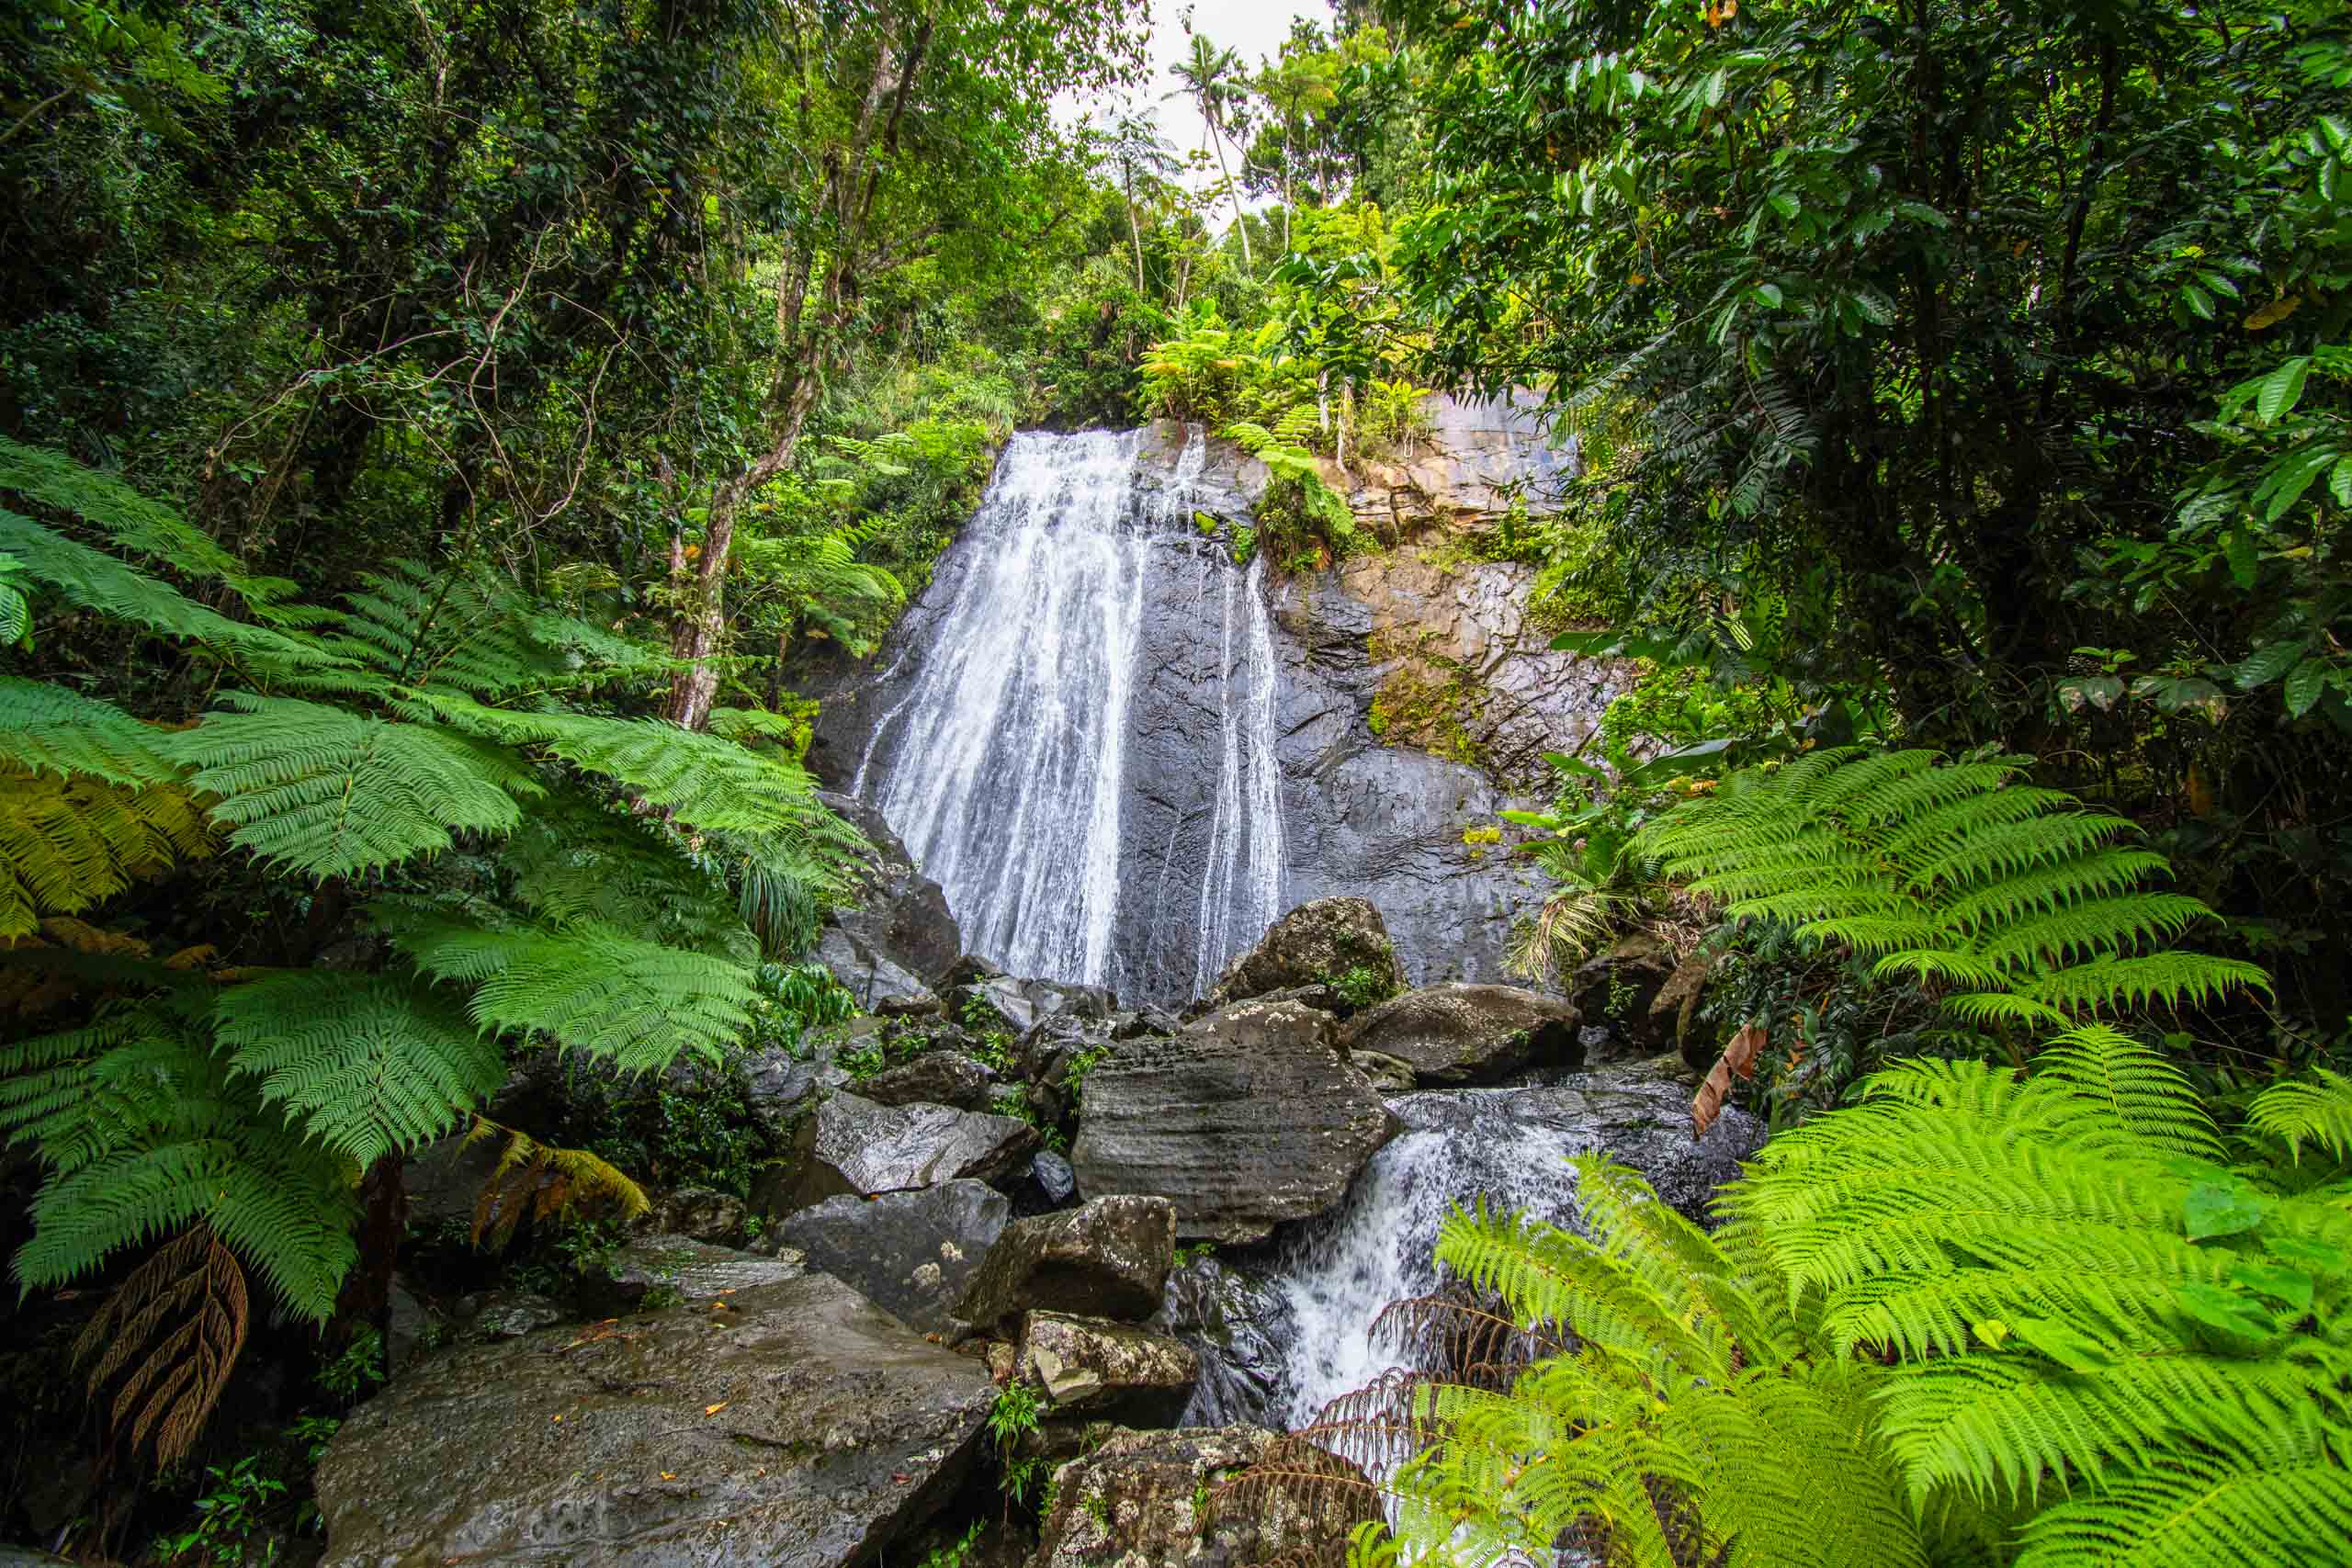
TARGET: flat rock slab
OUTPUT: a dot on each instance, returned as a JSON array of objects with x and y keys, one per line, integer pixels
[
  {"x": 1246, "y": 1119},
  {"x": 938, "y": 1077},
  {"x": 802, "y": 1427},
  {"x": 1463, "y": 1033},
  {"x": 852, "y": 1145},
  {"x": 1108, "y": 1258},
  {"x": 694, "y": 1271},
  {"x": 911, "y": 1253}
]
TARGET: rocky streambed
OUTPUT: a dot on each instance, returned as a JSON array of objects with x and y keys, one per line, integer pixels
[{"x": 808, "y": 1377}]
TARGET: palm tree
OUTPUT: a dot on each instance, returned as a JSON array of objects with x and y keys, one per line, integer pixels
[
  {"x": 1144, "y": 156},
  {"x": 1211, "y": 79}
]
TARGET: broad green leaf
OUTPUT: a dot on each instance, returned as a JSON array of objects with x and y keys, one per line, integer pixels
[
  {"x": 2216, "y": 1208},
  {"x": 2238, "y": 546},
  {"x": 2280, "y": 1283},
  {"x": 2197, "y": 300},
  {"x": 2303, "y": 686},
  {"x": 2064, "y": 1343},
  {"x": 1766, "y": 294},
  {"x": 2225, "y": 1309},
  {"x": 2281, "y": 388},
  {"x": 2266, "y": 663}
]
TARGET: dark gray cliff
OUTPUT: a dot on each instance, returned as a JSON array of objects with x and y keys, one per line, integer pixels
[{"x": 1241, "y": 690}]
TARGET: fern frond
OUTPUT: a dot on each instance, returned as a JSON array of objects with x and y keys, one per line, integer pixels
[
  {"x": 141, "y": 524},
  {"x": 96, "y": 581},
  {"x": 2282, "y": 1499},
  {"x": 160, "y": 1136},
  {"x": 176, "y": 1325},
  {"x": 365, "y": 1064},
  {"x": 2166, "y": 978},
  {"x": 68, "y": 843},
  {"x": 592, "y": 988},
  {"x": 327, "y": 792},
  {"x": 47, "y": 729},
  {"x": 2317, "y": 1111},
  {"x": 543, "y": 1181}
]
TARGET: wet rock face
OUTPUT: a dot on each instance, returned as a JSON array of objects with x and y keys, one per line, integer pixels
[
  {"x": 802, "y": 1427},
  {"x": 1108, "y": 1258},
  {"x": 911, "y": 1253},
  {"x": 896, "y": 937},
  {"x": 1460, "y": 1034},
  {"x": 938, "y": 1077},
  {"x": 1638, "y": 1115},
  {"x": 1145, "y": 1500},
  {"x": 1238, "y": 1326},
  {"x": 1245, "y": 1118},
  {"x": 1330, "y": 943},
  {"x": 850, "y": 1145}
]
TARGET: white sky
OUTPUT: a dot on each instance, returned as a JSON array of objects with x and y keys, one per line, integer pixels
[{"x": 1254, "y": 29}]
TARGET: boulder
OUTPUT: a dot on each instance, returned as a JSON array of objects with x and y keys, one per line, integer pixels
[
  {"x": 1339, "y": 942},
  {"x": 800, "y": 1427},
  {"x": 691, "y": 1271},
  {"x": 1245, "y": 1118},
  {"x": 1054, "y": 1178},
  {"x": 880, "y": 986},
  {"x": 897, "y": 916},
  {"x": 699, "y": 1214},
  {"x": 1108, "y": 1258},
  {"x": 1618, "y": 988},
  {"x": 1150, "y": 1500},
  {"x": 1632, "y": 1112},
  {"x": 1463, "y": 1033},
  {"x": 850, "y": 1145},
  {"x": 1091, "y": 1367},
  {"x": 914, "y": 1254},
  {"x": 937, "y": 1077}
]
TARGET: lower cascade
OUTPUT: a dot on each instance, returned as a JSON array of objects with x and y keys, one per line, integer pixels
[{"x": 1004, "y": 758}]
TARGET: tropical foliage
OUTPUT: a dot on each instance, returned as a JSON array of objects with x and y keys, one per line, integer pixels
[{"x": 2065, "y": 1319}]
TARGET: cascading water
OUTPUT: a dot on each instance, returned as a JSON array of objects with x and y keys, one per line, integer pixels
[{"x": 1005, "y": 762}]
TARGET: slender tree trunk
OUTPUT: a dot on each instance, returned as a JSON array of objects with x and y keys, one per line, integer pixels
[
  {"x": 1233, "y": 190},
  {"x": 1135, "y": 228}
]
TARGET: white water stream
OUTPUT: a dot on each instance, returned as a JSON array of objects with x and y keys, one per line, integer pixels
[{"x": 1010, "y": 754}]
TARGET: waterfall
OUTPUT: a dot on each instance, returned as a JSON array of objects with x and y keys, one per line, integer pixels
[
  {"x": 1458, "y": 1145},
  {"x": 1005, "y": 759}
]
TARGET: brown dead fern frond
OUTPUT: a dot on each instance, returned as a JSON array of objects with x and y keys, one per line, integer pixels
[
  {"x": 1314, "y": 1495},
  {"x": 172, "y": 1332},
  {"x": 542, "y": 1179},
  {"x": 1380, "y": 1425},
  {"x": 1452, "y": 1329}
]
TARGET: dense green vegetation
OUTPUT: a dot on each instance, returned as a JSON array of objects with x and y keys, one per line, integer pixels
[{"x": 433, "y": 432}]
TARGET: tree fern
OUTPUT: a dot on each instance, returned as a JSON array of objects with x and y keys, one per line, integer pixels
[
  {"x": 2081, "y": 1295},
  {"x": 69, "y": 843},
  {"x": 98, "y": 581},
  {"x": 592, "y": 988},
  {"x": 146, "y": 1131},
  {"x": 365, "y": 1066},
  {"x": 1698, "y": 1421},
  {"x": 2022, "y": 903},
  {"x": 142, "y": 526},
  {"x": 323, "y": 791}
]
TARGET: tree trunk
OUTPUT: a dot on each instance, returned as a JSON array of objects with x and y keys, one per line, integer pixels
[
  {"x": 1217, "y": 142},
  {"x": 1136, "y": 229}
]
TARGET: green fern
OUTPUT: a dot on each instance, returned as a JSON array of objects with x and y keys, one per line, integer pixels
[
  {"x": 2318, "y": 1111},
  {"x": 144, "y": 1129},
  {"x": 1975, "y": 1317},
  {"x": 592, "y": 988},
  {"x": 2020, "y": 902},
  {"x": 143, "y": 527},
  {"x": 98, "y": 581},
  {"x": 365, "y": 1066},
  {"x": 1699, "y": 1420},
  {"x": 326, "y": 792},
  {"x": 68, "y": 844}
]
